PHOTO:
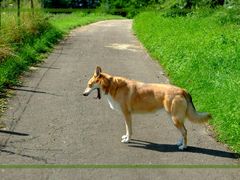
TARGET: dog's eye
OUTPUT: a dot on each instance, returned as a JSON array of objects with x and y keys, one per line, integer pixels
[{"x": 90, "y": 85}]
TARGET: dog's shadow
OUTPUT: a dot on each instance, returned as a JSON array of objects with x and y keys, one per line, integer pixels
[{"x": 174, "y": 148}]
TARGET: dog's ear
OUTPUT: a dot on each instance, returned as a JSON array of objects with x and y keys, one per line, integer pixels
[{"x": 98, "y": 71}]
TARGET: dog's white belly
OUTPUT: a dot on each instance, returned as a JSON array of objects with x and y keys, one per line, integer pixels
[{"x": 112, "y": 103}]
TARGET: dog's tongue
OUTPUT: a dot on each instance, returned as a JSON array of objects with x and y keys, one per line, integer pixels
[{"x": 98, "y": 94}]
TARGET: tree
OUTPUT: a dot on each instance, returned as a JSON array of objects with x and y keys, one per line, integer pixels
[{"x": 70, "y": 3}]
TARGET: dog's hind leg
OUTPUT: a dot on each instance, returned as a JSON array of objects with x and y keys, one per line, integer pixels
[
  {"x": 179, "y": 107},
  {"x": 128, "y": 123},
  {"x": 182, "y": 142}
]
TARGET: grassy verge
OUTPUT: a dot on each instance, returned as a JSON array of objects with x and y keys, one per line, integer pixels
[
  {"x": 66, "y": 22},
  {"x": 202, "y": 54},
  {"x": 24, "y": 45}
]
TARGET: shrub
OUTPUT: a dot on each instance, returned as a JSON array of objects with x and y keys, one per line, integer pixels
[{"x": 126, "y": 8}]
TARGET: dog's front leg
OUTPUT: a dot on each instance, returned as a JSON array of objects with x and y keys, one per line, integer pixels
[{"x": 128, "y": 123}]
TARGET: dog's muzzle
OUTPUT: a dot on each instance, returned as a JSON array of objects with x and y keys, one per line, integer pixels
[{"x": 89, "y": 90}]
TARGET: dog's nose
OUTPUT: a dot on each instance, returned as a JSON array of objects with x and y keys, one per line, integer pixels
[{"x": 85, "y": 94}]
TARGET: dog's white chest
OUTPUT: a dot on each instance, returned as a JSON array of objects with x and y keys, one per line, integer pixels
[{"x": 112, "y": 103}]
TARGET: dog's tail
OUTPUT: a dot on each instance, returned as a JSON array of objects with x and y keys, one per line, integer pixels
[{"x": 192, "y": 114}]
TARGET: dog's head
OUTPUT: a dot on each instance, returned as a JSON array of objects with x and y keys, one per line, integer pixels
[{"x": 94, "y": 83}]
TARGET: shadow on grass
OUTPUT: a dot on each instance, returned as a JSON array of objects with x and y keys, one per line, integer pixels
[{"x": 174, "y": 148}]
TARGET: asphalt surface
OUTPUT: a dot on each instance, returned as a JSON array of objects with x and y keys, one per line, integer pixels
[{"x": 65, "y": 127}]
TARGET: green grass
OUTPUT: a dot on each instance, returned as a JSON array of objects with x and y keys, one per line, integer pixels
[
  {"x": 25, "y": 45},
  {"x": 66, "y": 22},
  {"x": 202, "y": 54}
]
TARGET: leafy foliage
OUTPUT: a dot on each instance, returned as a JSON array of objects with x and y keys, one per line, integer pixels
[
  {"x": 186, "y": 7},
  {"x": 71, "y": 3},
  {"x": 128, "y": 8}
]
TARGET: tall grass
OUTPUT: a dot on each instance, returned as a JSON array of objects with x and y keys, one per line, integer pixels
[
  {"x": 14, "y": 29},
  {"x": 18, "y": 47},
  {"x": 22, "y": 45},
  {"x": 202, "y": 54}
]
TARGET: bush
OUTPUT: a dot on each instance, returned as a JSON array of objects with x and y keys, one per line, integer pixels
[
  {"x": 56, "y": 3},
  {"x": 229, "y": 15},
  {"x": 177, "y": 10},
  {"x": 188, "y": 7},
  {"x": 71, "y": 3},
  {"x": 126, "y": 8}
]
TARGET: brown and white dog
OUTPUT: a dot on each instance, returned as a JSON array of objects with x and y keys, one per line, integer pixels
[{"x": 131, "y": 96}]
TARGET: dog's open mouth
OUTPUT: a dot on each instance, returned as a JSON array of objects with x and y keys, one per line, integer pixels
[{"x": 98, "y": 94}]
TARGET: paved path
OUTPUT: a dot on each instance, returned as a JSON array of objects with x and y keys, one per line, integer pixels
[{"x": 68, "y": 128}]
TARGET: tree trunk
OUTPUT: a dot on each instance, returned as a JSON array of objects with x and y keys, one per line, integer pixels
[
  {"x": 32, "y": 7},
  {"x": 0, "y": 14},
  {"x": 18, "y": 12}
]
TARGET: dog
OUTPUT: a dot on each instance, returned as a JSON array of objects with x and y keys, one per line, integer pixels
[{"x": 130, "y": 96}]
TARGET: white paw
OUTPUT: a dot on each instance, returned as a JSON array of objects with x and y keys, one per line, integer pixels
[
  {"x": 124, "y": 136},
  {"x": 180, "y": 142},
  {"x": 182, "y": 147},
  {"x": 125, "y": 139}
]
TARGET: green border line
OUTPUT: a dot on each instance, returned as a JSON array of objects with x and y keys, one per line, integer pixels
[{"x": 112, "y": 166}]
